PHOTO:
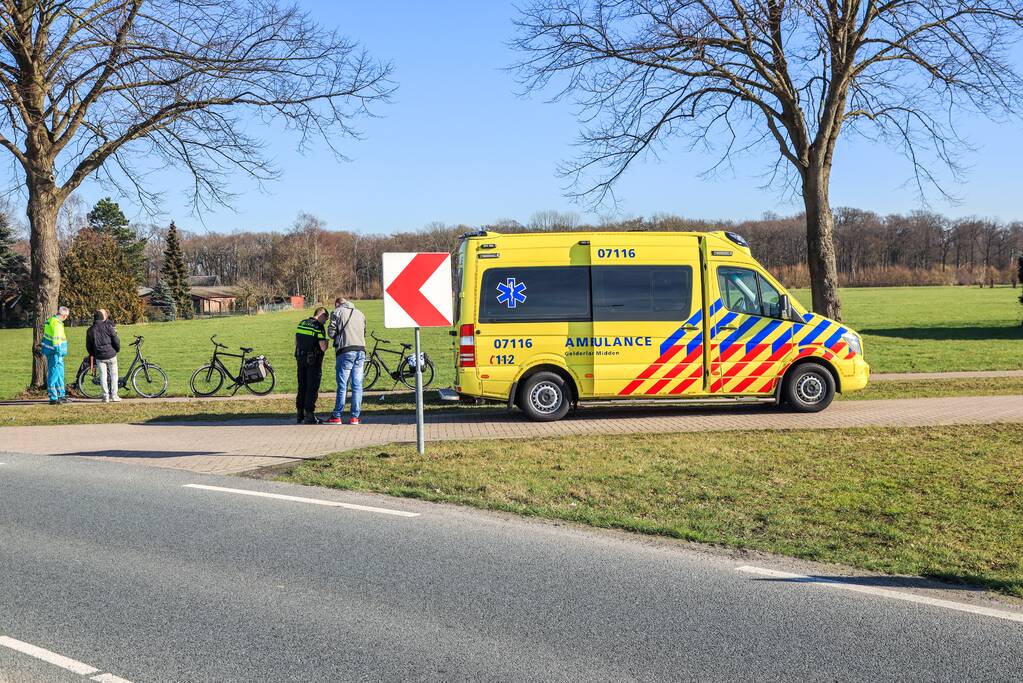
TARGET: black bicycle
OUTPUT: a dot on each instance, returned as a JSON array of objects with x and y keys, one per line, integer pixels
[
  {"x": 147, "y": 379},
  {"x": 406, "y": 369},
  {"x": 255, "y": 373}
]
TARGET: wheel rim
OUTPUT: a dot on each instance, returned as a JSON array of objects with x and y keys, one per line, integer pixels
[
  {"x": 545, "y": 397},
  {"x": 810, "y": 388},
  {"x": 89, "y": 386},
  {"x": 202, "y": 386},
  {"x": 370, "y": 375},
  {"x": 154, "y": 386},
  {"x": 263, "y": 386}
]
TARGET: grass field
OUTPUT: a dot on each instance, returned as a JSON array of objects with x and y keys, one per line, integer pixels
[
  {"x": 181, "y": 347},
  {"x": 905, "y": 329},
  {"x": 940, "y": 501},
  {"x": 931, "y": 329}
]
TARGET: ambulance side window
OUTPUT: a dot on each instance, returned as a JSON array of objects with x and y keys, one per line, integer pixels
[
  {"x": 637, "y": 293},
  {"x": 747, "y": 291},
  {"x": 738, "y": 288},
  {"x": 535, "y": 294},
  {"x": 770, "y": 299}
]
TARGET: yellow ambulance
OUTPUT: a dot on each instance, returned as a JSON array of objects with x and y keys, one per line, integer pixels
[{"x": 545, "y": 320}]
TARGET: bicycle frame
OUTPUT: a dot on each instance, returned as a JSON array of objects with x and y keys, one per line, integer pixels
[
  {"x": 122, "y": 381},
  {"x": 236, "y": 381},
  {"x": 375, "y": 354}
]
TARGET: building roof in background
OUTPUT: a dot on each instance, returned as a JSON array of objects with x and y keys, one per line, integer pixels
[
  {"x": 145, "y": 291},
  {"x": 214, "y": 292},
  {"x": 203, "y": 281}
]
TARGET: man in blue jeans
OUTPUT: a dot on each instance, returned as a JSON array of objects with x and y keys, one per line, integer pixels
[{"x": 347, "y": 330}]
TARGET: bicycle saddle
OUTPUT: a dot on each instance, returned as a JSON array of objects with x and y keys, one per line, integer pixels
[
  {"x": 406, "y": 346},
  {"x": 246, "y": 349}
]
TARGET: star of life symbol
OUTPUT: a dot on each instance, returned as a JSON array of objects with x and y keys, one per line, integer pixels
[{"x": 511, "y": 293}]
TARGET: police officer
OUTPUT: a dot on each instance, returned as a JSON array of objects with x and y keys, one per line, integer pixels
[
  {"x": 54, "y": 348},
  {"x": 310, "y": 345}
]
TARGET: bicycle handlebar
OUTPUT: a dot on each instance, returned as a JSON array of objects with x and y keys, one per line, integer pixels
[
  {"x": 216, "y": 343},
  {"x": 138, "y": 340},
  {"x": 385, "y": 341}
]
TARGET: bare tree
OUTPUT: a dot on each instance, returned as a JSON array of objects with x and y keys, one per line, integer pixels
[
  {"x": 550, "y": 220},
  {"x": 789, "y": 73},
  {"x": 116, "y": 88}
]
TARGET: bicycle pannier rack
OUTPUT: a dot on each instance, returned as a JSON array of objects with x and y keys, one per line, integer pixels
[{"x": 254, "y": 370}]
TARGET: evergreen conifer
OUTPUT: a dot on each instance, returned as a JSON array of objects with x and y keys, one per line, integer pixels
[{"x": 175, "y": 273}]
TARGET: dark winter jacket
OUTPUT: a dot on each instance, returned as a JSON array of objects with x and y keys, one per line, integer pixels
[{"x": 101, "y": 340}]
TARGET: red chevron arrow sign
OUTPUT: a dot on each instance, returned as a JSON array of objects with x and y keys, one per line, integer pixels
[{"x": 417, "y": 290}]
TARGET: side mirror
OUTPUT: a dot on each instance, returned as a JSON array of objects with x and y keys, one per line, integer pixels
[{"x": 785, "y": 307}]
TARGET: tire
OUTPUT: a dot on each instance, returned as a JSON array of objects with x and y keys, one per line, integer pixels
[
  {"x": 545, "y": 397},
  {"x": 149, "y": 381},
  {"x": 407, "y": 372},
  {"x": 265, "y": 385},
  {"x": 370, "y": 375},
  {"x": 207, "y": 380},
  {"x": 810, "y": 388},
  {"x": 88, "y": 384}
]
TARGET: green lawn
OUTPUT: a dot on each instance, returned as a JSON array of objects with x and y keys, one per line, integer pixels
[
  {"x": 904, "y": 328},
  {"x": 931, "y": 329},
  {"x": 937, "y": 501},
  {"x": 181, "y": 347}
]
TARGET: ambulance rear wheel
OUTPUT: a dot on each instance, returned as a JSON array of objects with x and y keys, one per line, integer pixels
[
  {"x": 545, "y": 397},
  {"x": 809, "y": 388}
]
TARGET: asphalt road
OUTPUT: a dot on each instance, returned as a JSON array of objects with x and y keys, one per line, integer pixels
[{"x": 126, "y": 571}]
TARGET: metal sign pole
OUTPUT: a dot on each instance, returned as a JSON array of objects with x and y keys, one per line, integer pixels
[{"x": 420, "y": 442}]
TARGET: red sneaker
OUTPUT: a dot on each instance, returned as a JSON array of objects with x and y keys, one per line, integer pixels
[
  {"x": 335, "y": 421},
  {"x": 354, "y": 421}
]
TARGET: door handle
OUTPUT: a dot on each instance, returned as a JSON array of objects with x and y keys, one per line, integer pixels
[
  {"x": 728, "y": 327},
  {"x": 690, "y": 328}
]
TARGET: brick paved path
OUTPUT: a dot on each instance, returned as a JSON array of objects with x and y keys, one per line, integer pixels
[{"x": 241, "y": 445}]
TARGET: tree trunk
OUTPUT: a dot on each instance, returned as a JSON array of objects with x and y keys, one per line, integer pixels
[
  {"x": 820, "y": 242},
  {"x": 43, "y": 205}
]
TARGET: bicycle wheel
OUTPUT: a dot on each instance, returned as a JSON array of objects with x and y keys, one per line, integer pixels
[
  {"x": 149, "y": 381},
  {"x": 407, "y": 372},
  {"x": 88, "y": 383},
  {"x": 207, "y": 380},
  {"x": 264, "y": 386},
  {"x": 370, "y": 374}
]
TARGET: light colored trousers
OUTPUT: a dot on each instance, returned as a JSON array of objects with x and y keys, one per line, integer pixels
[{"x": 108, "y": 376}]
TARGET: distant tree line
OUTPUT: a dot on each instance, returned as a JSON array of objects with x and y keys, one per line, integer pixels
[
  {"x": 103, "y": 257},
  {"x": 920, "y": 248}
]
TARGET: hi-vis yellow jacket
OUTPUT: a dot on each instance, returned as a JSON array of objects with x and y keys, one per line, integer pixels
[{"x": 54, "y": 339}]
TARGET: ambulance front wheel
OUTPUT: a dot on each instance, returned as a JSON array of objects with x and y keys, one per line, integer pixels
[
  {"x": 545, "y": 397},
  {"x": 809, "y": 388}
]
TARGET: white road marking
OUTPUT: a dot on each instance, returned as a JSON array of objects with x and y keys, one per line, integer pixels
[
  {"x": 888, "y": 593},
  {"x": 63, "y": 662},
  {"x": 109, "y": 678},
  {"x": 72, "y": 665},
  {"x": 299, "y": 499}
]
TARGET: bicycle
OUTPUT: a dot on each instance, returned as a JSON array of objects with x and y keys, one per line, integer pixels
[
  {"x": 406, "y": 369},
  {"x": 147, "y": 379},
  {"x": 255, "y": 373}
]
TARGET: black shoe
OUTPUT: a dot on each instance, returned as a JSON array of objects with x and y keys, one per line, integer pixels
[
  {"x": 65, "y": 399},
  {"x": 299, "y": 420},
  {"x": 312, "y": 420},
  {"x": 54, "y": 402}
]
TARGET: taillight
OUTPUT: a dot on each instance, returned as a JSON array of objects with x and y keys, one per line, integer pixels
[{"x": 467, "y": 346}]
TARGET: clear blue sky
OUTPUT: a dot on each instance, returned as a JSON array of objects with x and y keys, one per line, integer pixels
[{"x": 458, "y": 146}]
